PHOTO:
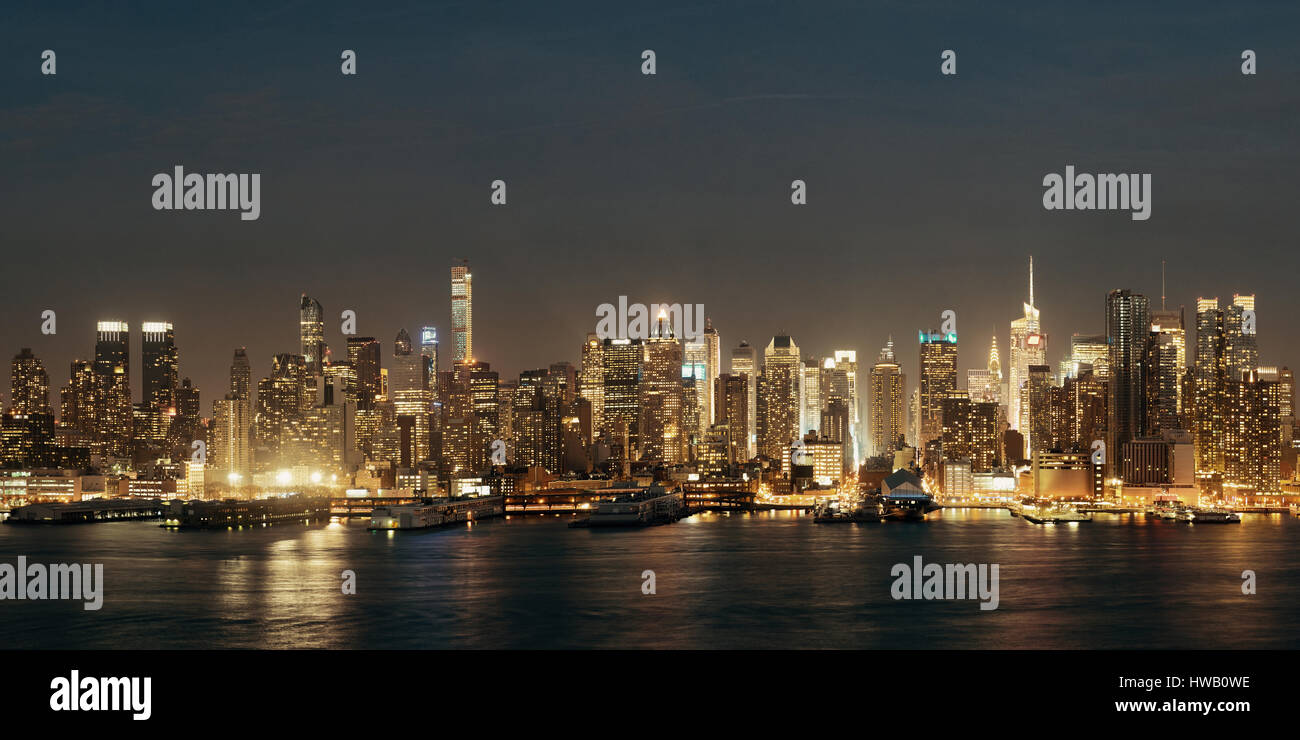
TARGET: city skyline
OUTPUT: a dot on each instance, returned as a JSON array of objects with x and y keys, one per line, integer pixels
[{"x": 215, "y": 375}]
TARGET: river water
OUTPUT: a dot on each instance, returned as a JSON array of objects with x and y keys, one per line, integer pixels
[{"x": 769, "y": 580}]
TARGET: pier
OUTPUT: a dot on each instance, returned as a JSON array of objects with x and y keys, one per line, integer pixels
[
  {"x": 231, "y": 513},
  {"x": 87, "y": 512}
]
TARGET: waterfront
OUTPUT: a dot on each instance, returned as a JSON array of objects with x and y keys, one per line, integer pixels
[{"x": 772, "y": 580}]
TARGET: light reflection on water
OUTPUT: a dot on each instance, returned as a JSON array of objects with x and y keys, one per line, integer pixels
[{"x": 723, "y": 581}]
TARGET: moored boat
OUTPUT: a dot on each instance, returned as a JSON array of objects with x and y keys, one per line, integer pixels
[{"x": 1210, "y": 516}]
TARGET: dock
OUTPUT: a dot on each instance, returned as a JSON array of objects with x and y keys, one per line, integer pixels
[
  {"x": 87, "y": 512},
  {"x": 637, "y": 508},
  {"x": 432, "y": 513},
  {"x": 232, "y": 514}
]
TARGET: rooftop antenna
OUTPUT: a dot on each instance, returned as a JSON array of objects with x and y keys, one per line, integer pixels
[
  {"x": 1162, "y": 285},
  {"x": 1031, "y": 280}
]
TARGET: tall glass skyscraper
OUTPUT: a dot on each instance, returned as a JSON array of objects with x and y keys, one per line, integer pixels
[
  {"x": 311, "y": 330},
  {"x": 462, "y": 313},
  {"x": 160, "y": 363},
  {"x": 744, "y": 361},
  {"x": 1128, "y": 318}
]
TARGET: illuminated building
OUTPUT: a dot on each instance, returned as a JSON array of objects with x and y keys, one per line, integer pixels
[
  {"x": 117, "y": 417},
  {"x": 825, "y": 456},
  {"x": 1127, "y": 322},
  {"x": 1240, "y": 348},
  {"x": 409, "y": 393},
  {"x": 845, "y": 366},
  {"x": 938, "y": 381},
  {"x": 622, "y": 361},
  {"x": 230, "y": 453},
  {"x": 1164, "y": 376},
  {"x": 744, "y": 361},
  {"x": 970, "y": 433},
  {"x": 695, "y": 369},
  {"x": 311, "y": 332},
  {"x": 779, "y": 399},
  {"x": 810, "y": 398},
  {"x": 661, "y": 433},
  {"x": 429, "y": 355},
  {"x": 160, "y": 365},
  {"x": 529, "y": 414},
  {"x": 591, "y": 378},
  {"x": 1067, "y": 475},
  {"x": 1038, "y": 387},
  {"x": 241, "y": 375},
  {"x": 1091, "y": 350},
  {"x": 1253, "y": 434},
  {"x": 112, "y": 366},
  {"x": 732, "y": 394},
  {"x": 186, "y": 423},
  {"x": 1169, "y": 345},
  {"x": 363, "y": 356},
  {"x": 713, "y": 361},
  {"x": 885, "y": 402},
  {"x": 29, "y": 385},
  {"x": 1211, "y": 374},
  {"x": 282, "y": 398},
  {"x": 112, "y": 347},
  {"x": 716, "y": 449},
  {"x": 1028, "y": 347},
  {"x": 80, "y": 403},
  {"x": 462, "y": 313},
  {"x": 835, "y": 426},
  {"x": 485, "y": 401}
]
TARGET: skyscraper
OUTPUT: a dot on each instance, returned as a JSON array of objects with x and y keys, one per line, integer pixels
[
  {"x": 845, "y": 366},
  {"x": 1028, "y": 347},
  {"x": 591, "y": 379},
  {"x": 744, "y": 361},
  {"x": 713, "y": 359},
  {"x": 622, "y": 360},
  {"x": 695, "y": 369},
  {"x": 113, "y": 368},
  {"x": 429, "y": 354},
  {"x": 780, "y": 402},
  {"x": 1091, "y": 350},
  {"x": 241, "y": 375},
  {"x": 1253, "y": 434},
  {"x": 282, "y": 398},
  {"x": 160, "y": 365},
  {"x": 1240, "y": 346},
  {"x": 363, "y": 355},
  {"x": 1128, "y": 318},
  {"x": 409, "y": 392},
  {"x": 462, "y": 313},
  {"x": 810, "y": 396},
  {"x": 732, "y": 394},
  {"x": 661, "y": 435},
  {"x": 1038, "y": 387},
  {"x": 1168, "y": 342},
  {"x": 885, "y": 403},
  {"x": 938, "y": 381},
  {"x": 1211, "y": 373},
  {"x": 29, "y": 385},
  {"x": 112, "y": 347},
  {"x": 311, "y": 331}
]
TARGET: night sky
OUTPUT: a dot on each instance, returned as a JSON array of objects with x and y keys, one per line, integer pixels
[{"x": 924, "y": 191}]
